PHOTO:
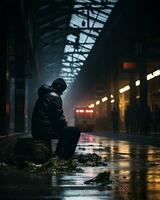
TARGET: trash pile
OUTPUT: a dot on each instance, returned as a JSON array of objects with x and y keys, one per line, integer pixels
[
  {"x": 55, "y": 165},
  {"x": 101, "y": 179},
  {"x": 91, "y": 160}
]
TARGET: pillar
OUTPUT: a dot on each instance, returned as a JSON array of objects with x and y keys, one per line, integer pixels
[
  {"x": 20, "y": 65},
  {"x": 132, "y": 88},
  {"x": 144, "y": 111},
  {"x": 4, "y": 102}
]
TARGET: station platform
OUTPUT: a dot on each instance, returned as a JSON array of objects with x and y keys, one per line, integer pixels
[{"x": 132, "y": 160}]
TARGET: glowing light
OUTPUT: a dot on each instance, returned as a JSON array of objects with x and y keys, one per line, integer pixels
[
  {"x": 91, "y": 105},
  {"x": 89, "y": 111},
  {"x": 129, "y": 65},
  {"x": 97, "y": 102},
  {"x": 79, "y": 111},
  {"x": 156, "y": 73},
  {"x": 150, "y": 76},
  {"x": 124, "y": 89},
  {"x": 137, "y": 83},
  {"x": 104, "y": 99},
  {"x": 127, "y": 87}
]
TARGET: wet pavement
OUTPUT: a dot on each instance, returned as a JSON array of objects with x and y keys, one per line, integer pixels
[{"x": 134, "y": 168}]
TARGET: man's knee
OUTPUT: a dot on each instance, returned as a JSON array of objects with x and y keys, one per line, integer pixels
[{"x": 75, "y": 131}]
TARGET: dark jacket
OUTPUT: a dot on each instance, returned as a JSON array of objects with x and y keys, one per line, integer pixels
[{"x": 47, "y": 118}]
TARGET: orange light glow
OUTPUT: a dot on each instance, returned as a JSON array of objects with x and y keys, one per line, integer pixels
[
  {"x": 129, "y": 65},
  {"x": 7, "y": 108}
]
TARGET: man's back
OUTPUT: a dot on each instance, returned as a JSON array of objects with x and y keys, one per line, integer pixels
[{"x": 47, "y": 115}]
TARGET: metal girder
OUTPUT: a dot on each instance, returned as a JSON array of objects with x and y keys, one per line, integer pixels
[
  {"x": 94, "y": 19},
  {"x": 77, "y": 58},
  {"x": 71, "y": 67},
  {"x": 51, "y": 22},
  {"x": 81, "y": 43},
  {"x": 61, "y": 3},
  {"x": 52, "y": 34},
  {"x": 80, "y": 53},
  {"x": 51, "y": 17},
  {"x": 62, "y": 7},
  {"x": 71, "y": 62},
  {"x": 94, "y": 4},
  {"x": 90, "y": 35},
  {"x": 77, "y": 52},
  {"x": 97, "y": 9},
  {"x": 58, "y": 41},
  {"x": 92, "y": 9}
]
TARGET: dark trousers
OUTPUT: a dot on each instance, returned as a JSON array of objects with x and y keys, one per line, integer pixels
[{"x": 67, "y": 142}]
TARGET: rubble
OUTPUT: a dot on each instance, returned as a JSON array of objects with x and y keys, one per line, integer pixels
[
  {"x": 55, "y": 165},
  {"x": 102, "y": 178}
]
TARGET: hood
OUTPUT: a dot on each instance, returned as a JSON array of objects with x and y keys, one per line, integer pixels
[{"x": 44, "y": 89}]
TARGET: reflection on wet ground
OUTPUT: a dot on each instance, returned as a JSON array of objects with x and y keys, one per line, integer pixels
[{"x": 135, "y": 174}]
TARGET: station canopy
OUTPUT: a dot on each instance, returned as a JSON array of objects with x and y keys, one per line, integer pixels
[{"x": 68, "y": 34}]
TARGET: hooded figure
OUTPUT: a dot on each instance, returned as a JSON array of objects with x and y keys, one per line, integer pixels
[
  {"x": 48, "y": 117},
  {"x": 48, "y": 120}
]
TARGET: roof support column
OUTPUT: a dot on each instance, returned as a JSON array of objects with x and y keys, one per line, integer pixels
[
  {"x": 4, "y": 74},
  {"x": 20, "y": 72},
  {"x": 144, "y": 109}
]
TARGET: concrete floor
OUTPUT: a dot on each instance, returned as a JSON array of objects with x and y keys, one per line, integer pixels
[{"x": 134, "y": 165}]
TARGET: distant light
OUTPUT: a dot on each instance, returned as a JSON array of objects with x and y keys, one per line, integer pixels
[
  {"x": 137, "y": 83},
  {"x": 156, "y": 73},
  {"x": 150, "y": 76},
  {"x": 129, "y": 65},
  {"x": 97, "y": 102},
  {"x": 91, "y": 105},
  {"x": 111, "y": 95},
  {"x": 79, "y": 111},
  {"x": 127, "y": 87},
  {"x": 104, "y": 99},
  {"x": 124, "y": 89},
  {"x": 112, "y": 101},
  {"x": 89, "y": 111}
]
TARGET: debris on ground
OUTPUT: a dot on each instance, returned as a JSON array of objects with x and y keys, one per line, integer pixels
[
  {"x": 102, "y": 178},
  {"x": 55, "y": 165},
  {"x": 91, "y": 159}
]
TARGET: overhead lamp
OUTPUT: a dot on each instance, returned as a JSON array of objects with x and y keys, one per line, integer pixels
[
  {"x": 104, "y": 99},
  {"x": 112, "y": 101},
  {"x": 137, "y": 83},
  {"x": 124, "y": 89},
  {"x": 83, "y": 23},
  {"x": 97, "y": 102},
  {"x": 150, "y": 76},
  {"x": 76, "y": 44},
  {"x": 156, "y": 73}
]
